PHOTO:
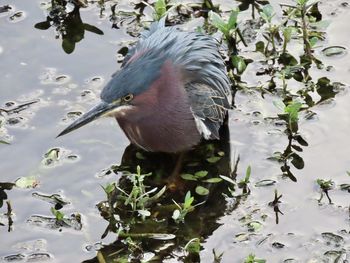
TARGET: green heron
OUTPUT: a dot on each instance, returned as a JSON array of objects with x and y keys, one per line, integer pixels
[{"x": 171, "y": 91}]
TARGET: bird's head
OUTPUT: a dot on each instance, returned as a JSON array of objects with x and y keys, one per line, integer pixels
[{"x": 125, "y": 88}]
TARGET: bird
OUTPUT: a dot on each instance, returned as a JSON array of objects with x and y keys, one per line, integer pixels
[{"x": 171, "y": 92}]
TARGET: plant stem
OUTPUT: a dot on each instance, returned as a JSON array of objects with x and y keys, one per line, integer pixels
[{"x": 307, "y": 47}]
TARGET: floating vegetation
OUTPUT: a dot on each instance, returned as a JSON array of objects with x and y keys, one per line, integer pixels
[
  {"x": 58, "y": 156},
  {"x": 59, "y": 221}
]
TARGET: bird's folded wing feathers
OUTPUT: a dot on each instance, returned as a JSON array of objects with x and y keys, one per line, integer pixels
[{"x": 208, "y": 108}]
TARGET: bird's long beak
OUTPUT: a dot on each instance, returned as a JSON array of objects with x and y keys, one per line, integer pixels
[{"x": 101, "y": 109}]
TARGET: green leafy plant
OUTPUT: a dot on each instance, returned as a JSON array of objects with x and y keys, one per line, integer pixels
[
  {"x": 200, "y": 176},
  {"x": 229, "y": 29},
  {"x": 139, "y": 198},
  {"x": 226, "y": 28},
  {"x": 244, "y": 182},
  {"x": 252, "y": 259},
  {"x": 193, "y": 246},
  {"x": 160, "y": 9},
  {"x": 182, "y": 210},
  {"x": 58, "y": 214},
  {"x": 325, "y": 186},
  {"x": 275, "y": 204},
  {"x": 290, "y": 116}
]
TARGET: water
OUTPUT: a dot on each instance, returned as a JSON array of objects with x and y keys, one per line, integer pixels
[{"x": 35, "y": 67}]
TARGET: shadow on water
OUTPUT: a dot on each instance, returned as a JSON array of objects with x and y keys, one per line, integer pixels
[
  {"x": 65, "y": 18},
  {"x": 160, "y": 235}
]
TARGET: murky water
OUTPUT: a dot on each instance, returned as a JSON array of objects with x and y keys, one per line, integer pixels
[{"x": 34, "y": 67}]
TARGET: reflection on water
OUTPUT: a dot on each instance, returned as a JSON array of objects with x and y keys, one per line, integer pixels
[
  {"x": 158, "y": 234},
  {"x": 65, "y": 18}
]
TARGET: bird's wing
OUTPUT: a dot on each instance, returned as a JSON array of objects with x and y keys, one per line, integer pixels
[{"x": 209, "y": 108}]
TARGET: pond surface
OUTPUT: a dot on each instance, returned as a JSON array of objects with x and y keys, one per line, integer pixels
[{"x": 60, "y": 83}]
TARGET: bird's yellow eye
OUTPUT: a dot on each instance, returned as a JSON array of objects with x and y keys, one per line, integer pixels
[{"x": 128, "y": 97}]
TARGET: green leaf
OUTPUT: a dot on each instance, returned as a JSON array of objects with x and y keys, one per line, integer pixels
[
  {"x": 109, "y": 188},
  {"x": 254, "y": 226},
  {"x": 279, "y": 104},
  {"x": 247, "y": 174},
  {"x": 313, "y": 41},
  {"x": 232, "y": 21},
  {"x": 287, "y": 33},
  {"x": 297, "y": 161},
  {"x": 193, "y": 246},
  {"x": 189, "y": 177},
  {"x": 176, "y": 214},
  {"x": 93, "y": 29},
  {"x": 213, "y": 180},
  {"x": 293, "y": 110},
  {"x": 201, "y": 190},
  {"x": 144, "y": 213},
  {"x": 300, "y": 140},
  {"x": 68, "y": 46},
  {"x": 43, "y": 25},
  {"x": 59, "y": 215},
  {"x": 227, "y": 179},
  {"x": 319, "y": 25},
  {"x": 188, "y": 200},
  {"x": 297, "y": 148},
  {"x": 160, "y": 8},
  {"x": 201, "y": 174},
  {"x": 260, "y": 46},
  {"x": 213, "y": 159},
  {"x": 4, "y": 142},
  {"x": 217, "y": 21},
  {"x": 26, "y": 182},
  {"x": 267, "y": 13},
  {"x": 239, "y": 63}
]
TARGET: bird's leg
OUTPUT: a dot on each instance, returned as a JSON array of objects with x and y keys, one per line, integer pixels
[{"x": 174, "y": 181}]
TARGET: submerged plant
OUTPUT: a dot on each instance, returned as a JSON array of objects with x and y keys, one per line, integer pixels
[
  {"x": 139, "y": 198},
  {"x": 325, "y": 186},
  {"x": 244, "y": 183},
  {"x": 252, "y": 259},
  {"x": 291, "y": 116},
  {"x": 183, "y": 209},
  {"x": 275, "y": 204}
]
